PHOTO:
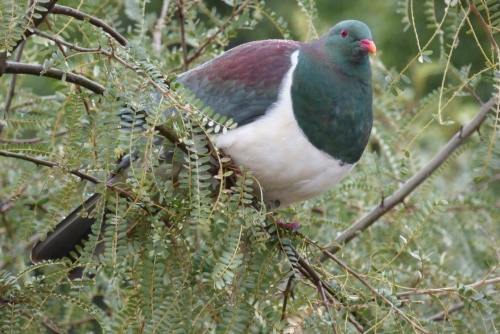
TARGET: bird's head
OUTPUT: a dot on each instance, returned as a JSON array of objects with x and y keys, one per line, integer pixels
[{"x": 349, "y": 41}]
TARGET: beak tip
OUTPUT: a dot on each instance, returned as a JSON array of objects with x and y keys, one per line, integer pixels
[{"x": 368, "y": 45}]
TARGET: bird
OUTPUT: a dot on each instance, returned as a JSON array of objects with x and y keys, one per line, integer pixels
[{"x": 304, "y": 114}]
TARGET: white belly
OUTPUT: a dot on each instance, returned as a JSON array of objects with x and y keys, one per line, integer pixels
[{"x": 288, "y": 167}]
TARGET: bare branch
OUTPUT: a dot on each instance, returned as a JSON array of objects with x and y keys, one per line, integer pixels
[
  {"x": 58, "y": 9},
  {"x": 39, "y": 70},
  {"x": 416, "y": 180}
]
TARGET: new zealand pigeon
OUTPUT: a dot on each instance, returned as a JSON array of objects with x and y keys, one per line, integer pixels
[{"x": 304, "y": 114}]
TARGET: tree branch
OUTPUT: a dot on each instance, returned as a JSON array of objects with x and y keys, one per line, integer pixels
[
  {"x": 29, "y": 140},
  {"x": 416, "y": 180},
  {"x": 39, "y": 70},
  {"x": 445, "y": 314},
  {"x": 58, "y": 9},
  {"x": 35, "y": 22}
]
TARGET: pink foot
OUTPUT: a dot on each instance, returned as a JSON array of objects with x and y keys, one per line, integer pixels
[{"x": 294, "y": 227}]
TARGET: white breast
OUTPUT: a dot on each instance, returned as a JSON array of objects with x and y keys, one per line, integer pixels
[{"x": 288, "y": 167}]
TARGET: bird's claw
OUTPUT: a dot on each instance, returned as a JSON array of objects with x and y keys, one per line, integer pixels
[{"x": 294, "y": 227}]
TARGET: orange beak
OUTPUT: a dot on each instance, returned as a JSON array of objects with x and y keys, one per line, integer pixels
[{"x": 368, "y": 45}]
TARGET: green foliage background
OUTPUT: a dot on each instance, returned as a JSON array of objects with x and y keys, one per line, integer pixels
[{"x": 182, "y": 257}]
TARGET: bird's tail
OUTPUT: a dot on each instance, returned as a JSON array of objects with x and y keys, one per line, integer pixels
[{"x": 70, "y": 232}]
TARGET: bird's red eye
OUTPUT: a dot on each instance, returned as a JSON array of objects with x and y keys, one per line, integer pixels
[{"x": 344, "y": 33}]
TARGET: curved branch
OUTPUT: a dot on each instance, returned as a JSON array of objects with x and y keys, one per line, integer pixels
[
  {"x": 416, "y": 180},
  {"x": 58, "y": 9},
  {"x": 38, "y": 70}
]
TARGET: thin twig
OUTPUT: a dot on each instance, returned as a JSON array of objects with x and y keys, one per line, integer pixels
[
  {"x": 39, "y": 70},
  {"x": 180, "y": 10},
  {"x": 78, "y": 88},
  {"x": 12, "y": 86},
  {"x": 29, "y": 140},
  {"x": 74, "y": 171},
  {"x": 47, "y": 324},
  {"x": 445, "y": 314},
  {"x": 86, "y": 50},
  {"x": 493, "y": 242},
  {"x": 221, "y": 28},
  {"x": 484, "y": 24},
  {"x": 416, "y": 180},
  {"x": 83, "y": 176},
  {"x": 77, "y": 322},
  {"x": 375, "y": 292},
  {"x": 63, "y": 10},
  {"x": 448, "y": 289}
]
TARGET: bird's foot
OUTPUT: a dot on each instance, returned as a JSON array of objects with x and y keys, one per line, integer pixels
[{"x": 294, "y": 227}]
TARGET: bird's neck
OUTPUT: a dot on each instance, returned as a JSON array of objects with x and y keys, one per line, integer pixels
[{"x": 332, "y": 103}]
